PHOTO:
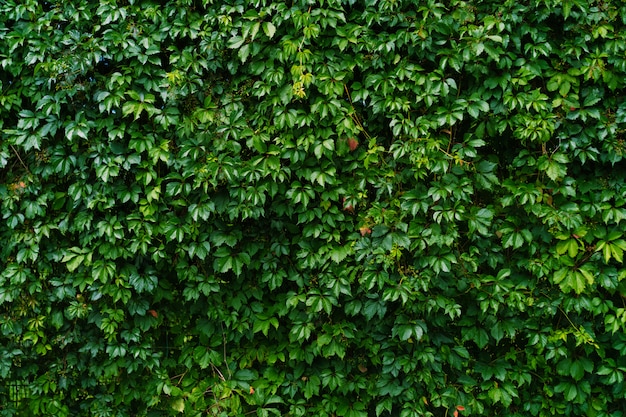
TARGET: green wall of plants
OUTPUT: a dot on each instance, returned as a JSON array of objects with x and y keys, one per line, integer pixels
[{"x": 312, "y": 208}]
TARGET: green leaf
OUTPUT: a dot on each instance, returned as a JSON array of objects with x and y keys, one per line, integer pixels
[
  {"x": 269, "y": 29},
  {"x": 245, "y": 375},
  {"x": 576, "y": 370},
  {"x": 340, "y": 253},
  {"x": 235, "y": 42},
  {"x": 569, "y": 246},
  {"x": 178, "y": 405},
  {"x": 576, "y": 280},
  {"x": 76, "y": 257},
  {"x": 482, "y": 338},
  {"x": 244, "y": 52},
  {"x": 571, "y": 392}
]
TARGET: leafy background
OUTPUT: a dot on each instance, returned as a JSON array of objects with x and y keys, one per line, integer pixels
[{"x": 378, "y": 208}]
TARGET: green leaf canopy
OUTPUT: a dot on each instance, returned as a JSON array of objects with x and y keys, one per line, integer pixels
[{"x": 332, "y": 208}]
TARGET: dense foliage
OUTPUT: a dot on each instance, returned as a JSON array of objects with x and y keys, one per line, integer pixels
[{"x": 333, "y": 208}]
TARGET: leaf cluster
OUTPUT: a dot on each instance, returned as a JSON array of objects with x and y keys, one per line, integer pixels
[{"x": 333, "y": 208}]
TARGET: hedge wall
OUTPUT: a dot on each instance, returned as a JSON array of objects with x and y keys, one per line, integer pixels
[{"x": 320, "y": 208}]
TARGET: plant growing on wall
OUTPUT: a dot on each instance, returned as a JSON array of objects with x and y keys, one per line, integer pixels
[{"x": 333, "y": 208}]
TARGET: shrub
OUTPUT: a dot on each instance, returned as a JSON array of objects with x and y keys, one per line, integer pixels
[{"x": 378, "y": 208}]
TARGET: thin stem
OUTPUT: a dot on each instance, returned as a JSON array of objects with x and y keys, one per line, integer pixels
[{"x": 20, "y": 159}]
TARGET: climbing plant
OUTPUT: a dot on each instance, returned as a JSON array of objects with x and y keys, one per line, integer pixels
[{"x": 329, "y": 208}]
